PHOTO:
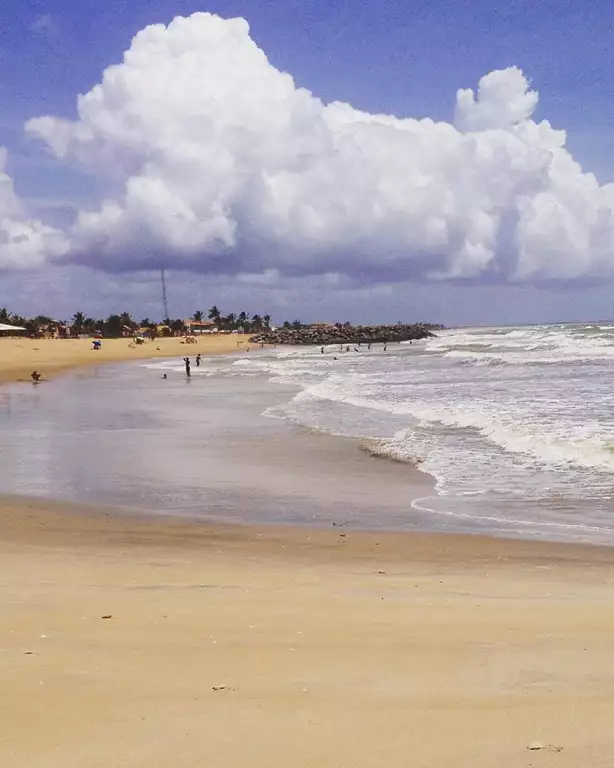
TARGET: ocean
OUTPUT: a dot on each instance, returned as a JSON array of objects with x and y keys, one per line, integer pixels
[{"x": 515, "y": 425}]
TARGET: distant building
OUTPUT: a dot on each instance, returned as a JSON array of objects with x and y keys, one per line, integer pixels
[{"x": 196, "y": 328}]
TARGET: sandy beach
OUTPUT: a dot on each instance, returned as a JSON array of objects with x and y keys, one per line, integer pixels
[
  {"x": 137, "y": 641},
  {"x": 19, "y": 357},
  {"x": 132, "y": 642}
]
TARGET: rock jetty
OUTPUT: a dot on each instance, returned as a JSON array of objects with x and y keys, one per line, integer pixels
[{"x": 345, "y": 334}]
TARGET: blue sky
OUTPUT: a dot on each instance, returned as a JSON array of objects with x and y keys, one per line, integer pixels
[{"x": 402, "y": 58}]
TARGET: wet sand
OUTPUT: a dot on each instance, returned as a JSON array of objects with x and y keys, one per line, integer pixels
[
  {"x": 197, "y": 448},
  {"x": 260, "y": 646},
  {"x": 19, "y": 357}
]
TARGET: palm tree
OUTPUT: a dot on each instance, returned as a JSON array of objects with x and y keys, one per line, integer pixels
[
  {"x": 5, "y": 315},
  {"x": 256, "y": 322},
  {"x": 242, "y": 320},
  {"x": 198, "y": 316},
  {"x": 126, "y": 319},
  {"x": 229, "y": 321},
  {"x": 113, "y": 326},
  {"x": 79, "y": 321},
  {"x": 266, "y": 319},
  {"x": 214, "y": 314}
]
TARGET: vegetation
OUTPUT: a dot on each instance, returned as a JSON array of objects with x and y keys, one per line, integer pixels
[
  {"x": 124, "y": 325},
  {"x": 240, "y": 321}
]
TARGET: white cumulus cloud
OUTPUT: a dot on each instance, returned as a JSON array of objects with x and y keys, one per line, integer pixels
[
  {"x": 221, "y": 163},
  {"x": 25, "y": 242}
]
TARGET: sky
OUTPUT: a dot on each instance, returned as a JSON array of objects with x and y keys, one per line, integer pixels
[{"x": 363, "y": 161}]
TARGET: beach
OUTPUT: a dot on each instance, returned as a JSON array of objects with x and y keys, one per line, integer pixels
[
  {"x": 159, "y": 642},
  {"x": 20, "y": 356},
  {"x": 206, "y": 633}
]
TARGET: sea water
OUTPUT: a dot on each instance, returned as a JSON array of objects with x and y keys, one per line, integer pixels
[{"x": 516, "y": 424}]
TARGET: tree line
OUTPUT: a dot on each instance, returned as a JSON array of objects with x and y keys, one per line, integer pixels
[
  {"x": 234, "y": 321},
  {"x": 121, "y": 324}
]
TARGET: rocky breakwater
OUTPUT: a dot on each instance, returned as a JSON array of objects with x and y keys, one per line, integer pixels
[{"x": 345, "y": 334}]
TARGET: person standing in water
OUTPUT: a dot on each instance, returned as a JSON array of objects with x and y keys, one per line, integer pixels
[
  {"x": 188, "y": 372},
  {"x": 198, "y": 360}
]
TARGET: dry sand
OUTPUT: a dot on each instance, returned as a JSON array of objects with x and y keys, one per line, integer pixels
[
  {"x": 230, "y": 647},
  {"x": 19, "y": 357}
]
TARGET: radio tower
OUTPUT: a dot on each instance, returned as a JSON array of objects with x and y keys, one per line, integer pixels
[{"x": 164, "y": 298}]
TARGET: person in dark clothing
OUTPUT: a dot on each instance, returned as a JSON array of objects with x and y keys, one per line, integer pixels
[
  {"x": 198, "y": 360},
  {"x": 188, "y": 372}
]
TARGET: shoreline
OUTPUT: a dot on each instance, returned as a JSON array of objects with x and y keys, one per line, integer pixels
[
  {"x": 49, "y": 522},
  {"x": 140, "y": 642},
  {"x": 332, "y": 451},
  {"x": 50, "y": 357}
]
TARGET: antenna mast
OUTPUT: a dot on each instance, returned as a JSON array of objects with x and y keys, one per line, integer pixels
[{"x": 164, "y": 298}]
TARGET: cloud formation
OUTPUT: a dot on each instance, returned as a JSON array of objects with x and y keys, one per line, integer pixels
[
  {"x": 25, "y": 242},
  {"x": 221, "y": 164}
]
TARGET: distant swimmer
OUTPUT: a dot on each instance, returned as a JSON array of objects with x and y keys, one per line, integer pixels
[
  {"x": 198, "y": 360},
  {"x": 188, "y": 372},
  {"x": 385, "y": 347},
  {"x": 322, "y": 350},
  {"x": 347, "y": 349},
  {"x": 355, "y": 350},
  {"x": 164, "y": 376}
]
